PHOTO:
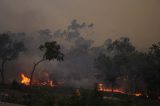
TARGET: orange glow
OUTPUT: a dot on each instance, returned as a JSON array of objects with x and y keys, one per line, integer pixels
[
  {"x": 50, "y": 83},
  {"x": 25, "y": 80},
  {"x": 137, "y": 94},
  {"x": 104, "y": 89},
  {"x": 114, "y": 90}
]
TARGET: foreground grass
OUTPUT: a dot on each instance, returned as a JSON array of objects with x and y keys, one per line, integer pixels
[{"x": 66, "y": 96}]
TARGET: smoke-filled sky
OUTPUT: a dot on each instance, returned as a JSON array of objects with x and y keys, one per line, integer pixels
[{"x": 137, "y": 19}]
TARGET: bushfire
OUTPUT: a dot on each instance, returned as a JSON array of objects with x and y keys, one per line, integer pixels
[
  {"x": 26, "y": 81},
  {"x": 104, "y": 89}
]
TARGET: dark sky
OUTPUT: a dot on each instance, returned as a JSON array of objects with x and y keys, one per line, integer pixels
[{"x": 137, "y": 19}]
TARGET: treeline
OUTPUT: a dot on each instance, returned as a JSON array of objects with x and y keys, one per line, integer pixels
[
  {"x": 11, "y": 48},
  {"x": 119, "y": 60},
  {"x": 115, "y": 62}
]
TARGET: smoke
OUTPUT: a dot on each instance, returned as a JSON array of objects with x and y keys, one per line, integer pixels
[
  {"x": 77, "y": 69},
  {"x": 139, "y": 20}
]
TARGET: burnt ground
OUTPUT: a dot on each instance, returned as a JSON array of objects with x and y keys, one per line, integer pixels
[{"x": 66, "y": 96}]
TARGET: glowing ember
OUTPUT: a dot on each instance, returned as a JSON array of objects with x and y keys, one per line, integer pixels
[
  {"x": 103, "y": 89},
  {"x": 50, "y": 83},
  {"x": 25, "y": 80},
  {"x": 137, "y": 94}
]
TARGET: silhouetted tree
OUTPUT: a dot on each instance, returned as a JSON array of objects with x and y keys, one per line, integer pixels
[
  {"x": 151, "y": 72},
  {"x": 51, "y": 52},
  {"x": 9, "y": 50},
  {"x": 121, "y": 46},
  {"x": 108, "y": 69},
  {"x": 113, "y": 61}
]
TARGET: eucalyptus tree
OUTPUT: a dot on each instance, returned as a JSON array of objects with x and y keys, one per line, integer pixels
[
  {"x": 9, "y": 50},
  {"x": 51, "y": 52}
]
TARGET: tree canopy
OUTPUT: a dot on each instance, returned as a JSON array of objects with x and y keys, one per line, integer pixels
[{"x": 9, "y": 50}]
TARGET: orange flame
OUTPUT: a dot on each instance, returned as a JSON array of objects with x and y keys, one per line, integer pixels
[
  {"x": 103, "y": 89},
  {"x": 25, "y": 80}
]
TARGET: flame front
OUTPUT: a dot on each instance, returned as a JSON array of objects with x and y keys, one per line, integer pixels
[
  {"x": 101, "y": 88},
  {"x": 104, "y": 89},
  {"x": 25, "y": 80}
]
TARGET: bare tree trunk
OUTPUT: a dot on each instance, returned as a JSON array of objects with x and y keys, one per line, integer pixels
[
  {"x": 33, "y": 70},
  {"x": 34, "y": 67},
  {"x": 2, "y": 72}
]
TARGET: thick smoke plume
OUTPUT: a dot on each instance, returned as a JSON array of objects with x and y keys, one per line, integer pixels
[
  {"x": 116, "y": 63},
  {"x": 78, "y": 66}
]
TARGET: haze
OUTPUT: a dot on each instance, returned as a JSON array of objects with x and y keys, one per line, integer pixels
[{"x": 137, "y": 19}]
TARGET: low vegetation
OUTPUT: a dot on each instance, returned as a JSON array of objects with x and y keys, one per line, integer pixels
[{"x": 66, "y": 96}]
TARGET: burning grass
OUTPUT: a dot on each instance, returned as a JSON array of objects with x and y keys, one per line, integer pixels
[
  {"x": 66, "y": 96},
  {"x": 45, "y": 95},
  {"x": 101, "y": 88},
  {"x": 26, "y": 81}
]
